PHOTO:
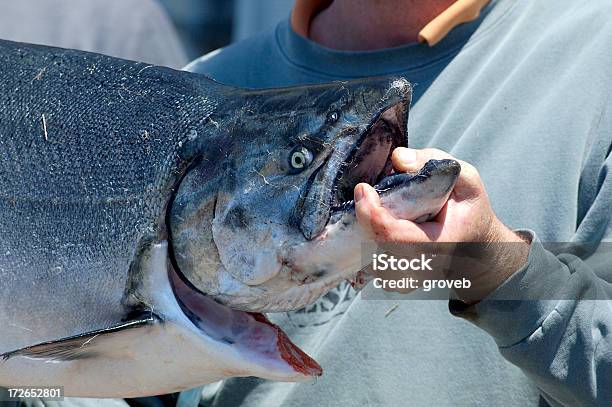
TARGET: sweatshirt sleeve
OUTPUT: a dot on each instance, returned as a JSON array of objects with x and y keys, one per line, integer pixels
[{"x": 553, "y": 317}]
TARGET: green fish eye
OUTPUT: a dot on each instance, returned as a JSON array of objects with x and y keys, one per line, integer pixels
[{"x": 301, "y": 158}]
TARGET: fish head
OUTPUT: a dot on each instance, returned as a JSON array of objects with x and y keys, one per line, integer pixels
[{"x": 292, "y": 155}]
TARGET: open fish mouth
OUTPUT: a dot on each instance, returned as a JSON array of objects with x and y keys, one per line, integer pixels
[
  {"x": 265, "y": 350},
  {"x": 368, "y": 160}
]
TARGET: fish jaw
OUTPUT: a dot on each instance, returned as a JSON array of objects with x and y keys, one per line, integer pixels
[
  {"x": 419, "y": 197},
  {"x": 177, "y": 352},
  {"x": 344, "y": 248}
]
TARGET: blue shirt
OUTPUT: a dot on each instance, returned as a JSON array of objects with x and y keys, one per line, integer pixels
[{"x": 523, "y": 93}]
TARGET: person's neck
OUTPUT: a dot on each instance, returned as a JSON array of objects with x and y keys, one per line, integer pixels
[{"x": 359, "y": 25}]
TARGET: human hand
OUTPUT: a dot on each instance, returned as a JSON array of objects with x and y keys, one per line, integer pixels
[{"x": 467, "y": 217}]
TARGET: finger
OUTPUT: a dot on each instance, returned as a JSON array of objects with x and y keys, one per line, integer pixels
[
  {"x": 365, "y": 203},
  {"x": 411, "y": 160}
]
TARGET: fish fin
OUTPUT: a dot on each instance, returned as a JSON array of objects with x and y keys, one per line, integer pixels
[{"x": 77, "y": 346}]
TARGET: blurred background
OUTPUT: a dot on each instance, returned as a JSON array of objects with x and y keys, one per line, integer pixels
[{"x": 161, "y": 32}]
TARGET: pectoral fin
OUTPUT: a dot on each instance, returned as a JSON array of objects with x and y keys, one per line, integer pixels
[{"x": 80, "y": 346}]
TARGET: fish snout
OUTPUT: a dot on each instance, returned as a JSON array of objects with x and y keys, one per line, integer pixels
[
  {"x": 399, "y": 89},
  {"x": 377, "y": 94},
  {"x": 443, "y": 173},
  {"x": 445, "y": 166}
]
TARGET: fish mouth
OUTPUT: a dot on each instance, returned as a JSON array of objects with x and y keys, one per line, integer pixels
[
  {"x": 370, "y": 160},
  {"x": 367, "y": 160},
  {"x": 265, "y": 350}
]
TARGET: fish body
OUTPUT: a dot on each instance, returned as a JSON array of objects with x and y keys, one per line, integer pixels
[{"x": 147, "y": 215}]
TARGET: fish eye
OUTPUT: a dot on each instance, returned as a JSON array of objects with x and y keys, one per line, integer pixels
[
  {"x": 301, "y": 158},
  {"x": 332, "y": 117}
]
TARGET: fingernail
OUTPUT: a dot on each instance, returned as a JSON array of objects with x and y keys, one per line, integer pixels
[
  {"x": 358, "y": 193},
  {"x": 407, "y": 155}
]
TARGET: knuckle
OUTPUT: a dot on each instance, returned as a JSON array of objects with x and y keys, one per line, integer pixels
[
  {"x": 436, "y": 153},
  {"x": 470, "y": 171}
]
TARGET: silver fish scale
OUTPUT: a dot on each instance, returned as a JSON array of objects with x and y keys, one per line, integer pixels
[{"x": 90, "y": 147}]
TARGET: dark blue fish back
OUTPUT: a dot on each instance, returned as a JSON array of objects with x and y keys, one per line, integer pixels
[{"x": 89, "y": 148}]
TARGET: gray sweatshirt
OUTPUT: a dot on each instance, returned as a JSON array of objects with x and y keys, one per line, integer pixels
[{"x": 523, "y": 93}]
